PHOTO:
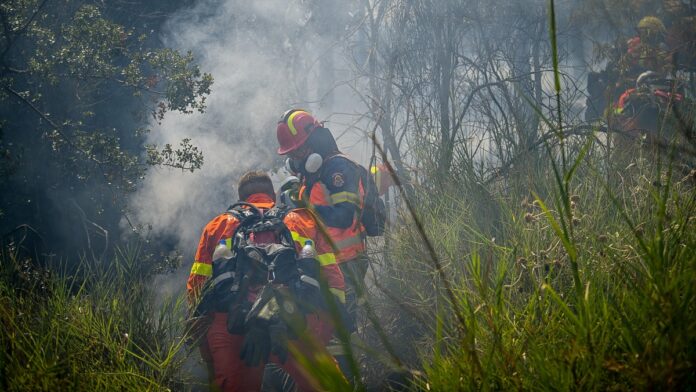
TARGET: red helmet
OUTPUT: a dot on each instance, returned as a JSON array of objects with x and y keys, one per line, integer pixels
[{"x": 294, "y": 129}]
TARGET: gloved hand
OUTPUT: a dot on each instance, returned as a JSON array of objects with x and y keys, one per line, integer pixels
[
  {"x": 256, "y": 347},
  {"x": 278, "y": 333},
  {"x": 290, "y": 193}
]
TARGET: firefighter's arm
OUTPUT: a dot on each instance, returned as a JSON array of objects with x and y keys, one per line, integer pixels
[
  {"x": 341, "y": 180},
  {"x": 202, "y": 267},
  {"x": 332, "y": 274},
  {"x": 221, "y": 227}
]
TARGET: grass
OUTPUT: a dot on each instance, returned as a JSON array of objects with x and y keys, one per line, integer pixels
[
  {"x": 93, "y": 328},
  {"x": 580, "y": 275},
  {"x": 590, "y": 288},
  {"x": 611, "y": 306},
  {"x": 588, "y": 281}
]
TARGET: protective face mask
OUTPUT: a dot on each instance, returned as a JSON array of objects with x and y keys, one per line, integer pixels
[
  {"x": 291, "y": 166},
  {"x": 313, "y": 163}
]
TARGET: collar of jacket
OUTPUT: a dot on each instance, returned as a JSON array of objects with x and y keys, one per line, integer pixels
[{"x": 260, "y": 200}]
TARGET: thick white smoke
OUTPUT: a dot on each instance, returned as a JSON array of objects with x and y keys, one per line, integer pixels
[{"x": 265, "y": 57}]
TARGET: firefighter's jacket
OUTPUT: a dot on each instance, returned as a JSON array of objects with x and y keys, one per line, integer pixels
[
  {"x": 302, "y": 226},
  {"x": 336, "y": 193}
]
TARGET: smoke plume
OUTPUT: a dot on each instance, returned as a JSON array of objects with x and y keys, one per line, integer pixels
[{"x": 265, "y": 57}]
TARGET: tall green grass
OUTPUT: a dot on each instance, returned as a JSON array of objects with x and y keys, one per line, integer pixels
[
  {"x": 90, "y": 328},
  {"x": 610, "y": 306},
  {"x": 587, "y": 281}
]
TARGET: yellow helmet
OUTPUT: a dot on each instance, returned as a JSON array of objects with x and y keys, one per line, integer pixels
[{"x": 652, "y": 23}]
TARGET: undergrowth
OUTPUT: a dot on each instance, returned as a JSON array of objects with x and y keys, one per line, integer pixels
[
  {"x": 620, "y": 313},
  {"x": 89, "y": 328}
]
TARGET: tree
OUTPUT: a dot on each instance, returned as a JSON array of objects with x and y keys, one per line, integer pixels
[{"x": 76, "y": 92}]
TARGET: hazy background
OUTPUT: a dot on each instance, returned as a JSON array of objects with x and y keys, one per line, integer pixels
[{"x": 265, "y": 57}]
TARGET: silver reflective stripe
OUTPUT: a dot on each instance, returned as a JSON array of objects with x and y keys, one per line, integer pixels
[
  {"x": 349, "y": 242},
  {"x": 221, "y": 277},
  {"x": 309, "y": 280},
  {"x": 335, "y": 347},
  {"x": 335, "y": 350}
]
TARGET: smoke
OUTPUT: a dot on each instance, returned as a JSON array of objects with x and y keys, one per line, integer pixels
[{"x": 265, "y": 57}]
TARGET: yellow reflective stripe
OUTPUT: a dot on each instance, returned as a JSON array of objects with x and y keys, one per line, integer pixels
[
  {"x": 326, "y": 259},
  {"x": 293, "y": 131},
  {"x": 300, "y": 239},
  {"x": 349, "y": 197},
  {"x": 203, "y": 269},
  {"x": 228, "y": 243},
  {"x": 340, "y": 294}
]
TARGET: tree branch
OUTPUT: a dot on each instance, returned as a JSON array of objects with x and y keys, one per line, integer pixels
[{"x": 21, "y": 30}]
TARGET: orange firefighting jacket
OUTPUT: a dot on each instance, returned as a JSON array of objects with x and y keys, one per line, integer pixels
[
  {"x": 337, "y": 195},
  {"x": 302, "y": 226}
]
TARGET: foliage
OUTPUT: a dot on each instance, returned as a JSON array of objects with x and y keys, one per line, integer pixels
[
  {"x": 587, "y": 284},
  {"x": 76, "y": 90},
  {"x": 93, "y": 328},
  {"x": 621, "y": 318}
]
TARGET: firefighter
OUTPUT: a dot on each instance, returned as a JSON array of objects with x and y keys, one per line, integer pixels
[
  {"x": 223, "y": 351},
  {"x": 647, "y": 51},
  {"x": 332, "y": 186}
]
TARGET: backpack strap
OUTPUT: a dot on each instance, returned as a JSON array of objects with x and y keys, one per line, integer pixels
[
  {"x": 243, "y": 211},
  {"x": 276, "y": 219}
]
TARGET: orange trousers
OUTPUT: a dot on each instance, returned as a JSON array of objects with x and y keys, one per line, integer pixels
[{"x": 231, "y": 374}]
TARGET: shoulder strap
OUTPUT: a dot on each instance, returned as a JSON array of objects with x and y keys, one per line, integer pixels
[
  {"x": 276, "y": 217},
  {"x": 243, "y": 210}
]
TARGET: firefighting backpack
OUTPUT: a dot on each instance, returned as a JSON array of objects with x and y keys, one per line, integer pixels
[{"x": 263, "y": 254}]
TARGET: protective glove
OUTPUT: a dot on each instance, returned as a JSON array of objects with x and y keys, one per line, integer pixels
[
  {"x": 291, "y": 198},
  {"x": 278, "y": 333},
  {"x": 256, "y": 347}
]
